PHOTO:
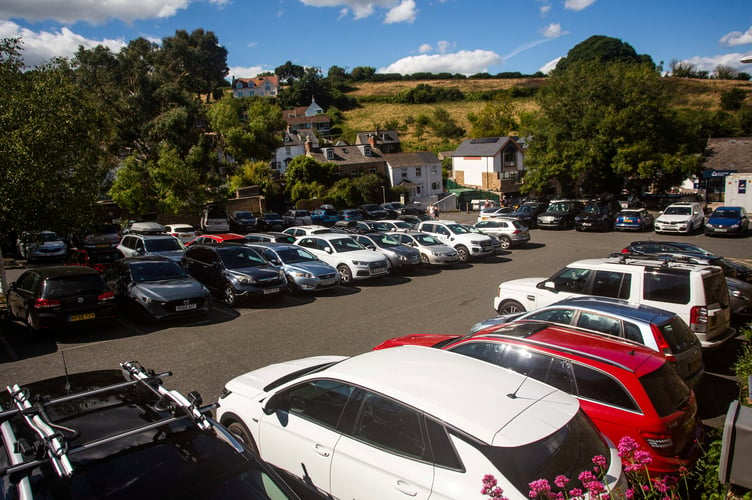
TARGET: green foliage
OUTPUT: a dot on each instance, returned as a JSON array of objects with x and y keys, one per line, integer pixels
[
  {"x": 495, "y": 119},
  {"x": 198, "y": 61},
  {"x": 257, "y": 173},
  {"x": 248, "y": 126},
  {"x": 733, "y": 99},
  {"x": 426, "y": 94},
  {"x": 444, "y": 126},
  {"x": 306, "y": 178},
  {"x": 602, "y": 49}
]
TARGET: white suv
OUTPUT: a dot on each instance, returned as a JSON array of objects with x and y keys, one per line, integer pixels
[
  {"x": 697, "y": 293},
  {"x": 681, "y": 217},
  {"x": 467, "y": 243},
  {"x": 351, "y": 259},
  {"x": 411, "y": 422}
]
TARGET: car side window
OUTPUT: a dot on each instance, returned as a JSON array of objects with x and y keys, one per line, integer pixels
[
  {"x": 666, "y": 287},
  {"x": 530, "y": 363},
  {"x": 392, "y": 426},
  {"x": 557, "y": 315},
  {"x": 307, "y": 242},
  {"x": 611, "y": 284},
  {"x": 560, "y": 375},
  {"x": 599, "y": 323},
  {"x": 599, "y": 386},
  {"x": 491, "y": 352},
  {"x": 321, "y": 401},
  {"x": 572, "y": 279},
  {"x": 632, "y": 332}
]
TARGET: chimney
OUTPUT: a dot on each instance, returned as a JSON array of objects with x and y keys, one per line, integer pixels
[
  {"x": 308, "y": 146},
  {"x": 372, "y": 141}
]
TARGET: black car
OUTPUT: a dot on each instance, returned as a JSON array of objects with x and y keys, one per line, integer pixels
[
  {"x": 156, "y": 287},
  {"x": 121, "y": 434},
  {"x": 242, "y": 221},
  {"x": 597, "y": 216},
  {"x": 58, "y": 296},
  {"x": 270, "y": 221},
  {"x": 373, "y": 211},
  {"x": 527, "y": 213},
  {"x": 395, "y": 209},
  {"x": 234, "y": 271},
  {"x": 560, "y": 214}
]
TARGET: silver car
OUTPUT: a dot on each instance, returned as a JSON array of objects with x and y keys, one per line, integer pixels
[
  {"x": 510, "y": 232},
  {"x": 305, "y": 272},
  {"x": 44, "y": 245},
  {"x": 432, "y": 251},
  {"x": 400, "y": 256},
  {"x": 658, "y": 329}
]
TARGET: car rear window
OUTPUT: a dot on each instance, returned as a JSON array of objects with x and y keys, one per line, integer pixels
[
  {"x": 666, "y": 390},
  {"x": 72, "y": 285},
  {"x": 567, "y": 451},
  {"x": 678, "y": 335},
  {"x": 667, "y": 286}
]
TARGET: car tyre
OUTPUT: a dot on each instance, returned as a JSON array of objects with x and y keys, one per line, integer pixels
[
  {"x": 242, "y": 434},
  {"x": 505, "y": 242},
  {"x": 424, "y": 260},
  {"x": 510, "y": 307},
  {"x": 345, "y": 275},
  {"x": 229, "y": 296},
  {"x": 33, "y": 332},
  {"x": 463, "y": 254},
  {"x": 292, "y": 288}
]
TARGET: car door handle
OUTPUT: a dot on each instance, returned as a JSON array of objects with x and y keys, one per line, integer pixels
[
  {"x": 321, "y": 450},
  {"x": 406, "y": 488}
]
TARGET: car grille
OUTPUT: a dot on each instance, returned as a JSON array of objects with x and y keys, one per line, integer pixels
[
  {"x": 273, "y": 281},
  {"x": 486, "y": 245},
  {"x": 327, "y": 276}
]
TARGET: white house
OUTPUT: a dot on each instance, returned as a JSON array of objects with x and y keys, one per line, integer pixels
[
  {"x": 259, "y": 86},
  {"x": 419, "y": 172}
]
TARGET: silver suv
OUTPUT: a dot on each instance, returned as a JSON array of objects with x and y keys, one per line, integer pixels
[
  {"x": 152, "y": 244},
  {"x": 696, "y": 292},
  {"x": 467, "y": 243}
]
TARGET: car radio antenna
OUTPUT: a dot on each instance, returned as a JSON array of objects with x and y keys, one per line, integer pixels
[
  {"x": 65, "y": 369},
  {"x": 513, "y": 395}
]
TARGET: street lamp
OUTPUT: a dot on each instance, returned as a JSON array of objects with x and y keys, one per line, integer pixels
[{"x": 383, "y": 193}]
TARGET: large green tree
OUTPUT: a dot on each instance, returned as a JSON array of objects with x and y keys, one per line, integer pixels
[
  {"x": 52, "y": 164},
  {"x": 497, "y": 118},
  {"x": 601, "y": 125},
  {"x": 603, "y": 49}
]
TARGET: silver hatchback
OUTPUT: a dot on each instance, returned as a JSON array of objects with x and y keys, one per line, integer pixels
[{"x": 658, "y": 329}]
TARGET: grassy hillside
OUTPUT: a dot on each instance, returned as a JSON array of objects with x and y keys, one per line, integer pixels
[{"x": 685, "y": 93}]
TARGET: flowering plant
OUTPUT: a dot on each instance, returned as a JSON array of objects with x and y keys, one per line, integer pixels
[{"x": 634, "y": 461}]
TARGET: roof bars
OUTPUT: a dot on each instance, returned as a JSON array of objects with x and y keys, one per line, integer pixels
[{"x": 54, "y": 444}]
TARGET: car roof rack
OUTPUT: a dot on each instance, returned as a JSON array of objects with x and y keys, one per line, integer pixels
[{"x": 53, "y": 446}]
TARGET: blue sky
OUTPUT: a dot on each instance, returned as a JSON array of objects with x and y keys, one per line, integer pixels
[{"x": 400, "y": 36}]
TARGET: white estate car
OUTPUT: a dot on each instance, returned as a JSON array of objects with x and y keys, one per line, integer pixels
[
  {"x": 411, "y": 422},
  {"x": 351, "y": 259},
  {"x": 468, "y": 244},
  {"x": 697, "y": 293},
  {"x": 681, "y": 217}
]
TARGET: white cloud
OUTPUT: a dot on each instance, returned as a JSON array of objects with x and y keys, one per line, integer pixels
[
  {"x": 425, "y": 48},
  {"x": 553, "y": 30},
  {"x": 246, "y": 71},
  {"x": 464, "y": 62},
  {"x": 443, "y": 46},
  {"x": 549, "y": 66},
  {"x": 39, "y": 47},
  {"x": 731, "y": 60},
  {"x": 737, "y": 38},
  {"x": 545, "y": 9},
  {"x": 578, "y": 4},
  {"x": 397, "y": 10},
  {"x": 95, "y": 12},
  {"x": 405, "y": 12}
]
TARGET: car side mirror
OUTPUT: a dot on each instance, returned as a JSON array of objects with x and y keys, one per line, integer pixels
[
  {"x": 275, "y": 261},
  {"x": 140, "y": 251},
  {"x": 371, "y": 247},
  {"x": 548, "y": 285},
  {"x": 328, "y": 250},
  {"x": 215, "y": 264},
  {"x": 274, "y": 403},
  {"x": 13, "y": 286}
]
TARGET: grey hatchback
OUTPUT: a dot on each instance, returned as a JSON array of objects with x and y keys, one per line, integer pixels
[{"x": 658, "y": 329}]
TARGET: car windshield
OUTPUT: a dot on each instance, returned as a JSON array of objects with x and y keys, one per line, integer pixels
[
  {"x": 163, "y": 244},
  {"x": 183, "y": 229},
  {"x": 379, "y": 226},
  {"x": 458, "y": 228},
  {"x": 104, "y": 229},
  {"x": 239, "y": 257},
  {"x": 55, "y": 288},
  {"x": 678, "y": 335},
  {"x": 385, "y": 240},
  {"x": 561, "y": 206},
  {"x": 295, "y": 255},
  {"x": 272, "y": 216},
  {"x": 46, "y": 236},
  {"x": 244, "y": 215},
  {"x": 725, "y": 213},
  {"x": 345, "y": 245},
  {"x": 426, "y": 239},
  {"x": 678, "y": 211},
  {"x": 595, "y": 209},
  {"x": 156, "y": 271},
  {"x": 666, "y": 390},
  {"x": 568, "y": 451}
]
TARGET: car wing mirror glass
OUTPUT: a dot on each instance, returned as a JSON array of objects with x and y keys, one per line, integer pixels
[
  {"x": 274, "y": 403},
  {"x": 548, "y": 285}
]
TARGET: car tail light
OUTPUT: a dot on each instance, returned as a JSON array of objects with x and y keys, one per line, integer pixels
[
  {"x": 698, "y": 319},
  {"x": 45, "y": 303},
  {"x": 175, "y": 234},
  {"x": 625, "y": 250},
  {"x": 662, "y": 443},
  {"x": 660, "y": 340},
  {"x": 103, "y": 297}
]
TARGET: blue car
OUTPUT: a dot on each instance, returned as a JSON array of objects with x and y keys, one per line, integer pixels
[
  {"x": 727, "y": 221},
  {"x": 633, "y": 219},
  {"x": 305, "y": 272},
  {"x": 325, "y": 216}
]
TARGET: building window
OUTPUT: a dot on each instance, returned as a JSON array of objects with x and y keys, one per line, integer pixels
[
  {"x": 367, "y": 150},
  {"x": 510, "y": 157},
  {"x": 434, "y": 170},
  {"x": 287, "y": 150},
  {"x": 329, "y": 154},
  {"x": 404, "y": 173},
  {"x": 417, "y": 189},
  {"x": 355, "y": 173},
  {"x": 418, "y": 171},
  {"x": 371, "y": 170},
  {"x": 434, "y": 186}
]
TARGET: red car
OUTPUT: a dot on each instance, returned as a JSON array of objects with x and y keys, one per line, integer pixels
[
  {"x": 625, "y": 388},
  {"x": 214, "y": 239}
]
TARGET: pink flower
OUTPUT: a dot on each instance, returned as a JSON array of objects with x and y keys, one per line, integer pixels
[
  {"x": 600, "y": 462},
  {"x": 539, "y": 487},
  {"x": 627, "y": 446},
  {"x": 575, "y": 493},
  {"x": 643, "y": 457},
  {"x": 561, "y": 481}
]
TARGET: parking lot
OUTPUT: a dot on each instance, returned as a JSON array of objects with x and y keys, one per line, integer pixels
[{"x": 204, "y": 354}]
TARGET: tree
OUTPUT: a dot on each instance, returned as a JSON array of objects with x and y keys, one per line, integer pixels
[
  {"x": 604, "y": 49},
  {"x": 197, "y": 60},
  {"x": 723, "y": 72},
  {"x": 600, "y": 124},
  {"x": 307, "y": 178},
  {"x": 257, "y": 173},
  {"x": 289, "y": 72},
  {"x": 733, "y": 99},
  {"x": 444, "y": 126},
  {"x": 52, "y": 164},
  {"x": 362, "y": 73},
  {"x": 495, "y": 119}
]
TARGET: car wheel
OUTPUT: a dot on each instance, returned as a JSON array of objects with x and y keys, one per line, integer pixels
[
  {"x": 243, "y": 435},
  {"x": 505, "y": 242},
  {"x": 229, "y": 296},
  {"x": 345, "y": 275},
  {"x": 510, "y": 307},
  {"x": 30, "y": 325},
  {"x": 292, "y": 288},
  {"x": 424, "y": 259},
  {"x": 463, "y": 254}
]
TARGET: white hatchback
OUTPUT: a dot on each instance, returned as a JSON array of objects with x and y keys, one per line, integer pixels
[
  {"x": 411, "y": 422},
  {"x": 351, "y": 259}
]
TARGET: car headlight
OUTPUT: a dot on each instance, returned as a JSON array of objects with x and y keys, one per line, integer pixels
[
  {"x": 476, "y": 242},
  {"x": 359, "y": 263},
  {"x": 302, "y": 274},
  {"x": 435, "y": 253},
  {"x": 738, "y": 294},
  {"x": 243, "y": 279},
  {"x": 145, "y": 299}
]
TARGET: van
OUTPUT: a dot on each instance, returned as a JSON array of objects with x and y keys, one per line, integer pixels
[{"x": 214, "y": 220}]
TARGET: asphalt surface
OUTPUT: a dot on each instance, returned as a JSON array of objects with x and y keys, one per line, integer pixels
[{"x": 203, "y": 354}]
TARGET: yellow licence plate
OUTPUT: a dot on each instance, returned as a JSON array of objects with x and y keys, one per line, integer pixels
[{"x": 81, "y": 317}]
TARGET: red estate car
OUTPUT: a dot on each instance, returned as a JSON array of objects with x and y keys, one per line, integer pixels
[{"x": 624, "y": 387}]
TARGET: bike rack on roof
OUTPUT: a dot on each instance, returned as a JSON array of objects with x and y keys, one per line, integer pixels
[{"x": 54, "y": 446}]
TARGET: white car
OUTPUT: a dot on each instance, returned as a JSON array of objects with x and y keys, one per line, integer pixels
[
  {"x": 432, "y": 251},
  {"x": 467, "y": 243},
  {"x": 183, "y": 232},
  {"x": 411, "y": 422},
  {"x": 297, "y": 231},
  {"x": 681, "y": 217},
  {"x": 351, "y": 259}
]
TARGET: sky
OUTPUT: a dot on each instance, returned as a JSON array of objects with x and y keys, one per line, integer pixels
[{"x": 393, "y": 36}]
